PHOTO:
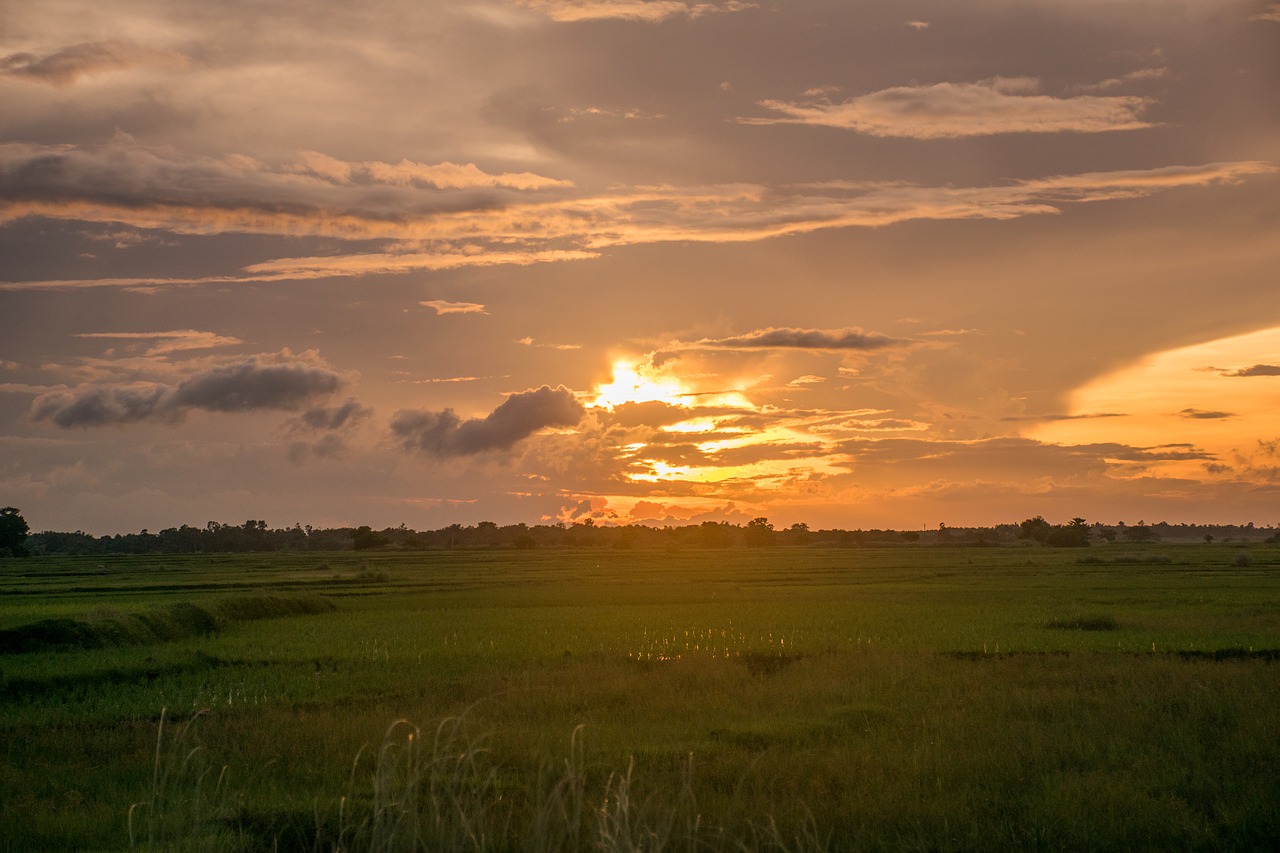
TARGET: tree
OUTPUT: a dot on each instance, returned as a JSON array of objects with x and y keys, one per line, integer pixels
[
  {"x": 758, "y": 532},
  {"x": 363, "y": 538},
  {"x": 1036, "y": 529},
  {"x": 13, "y": 532},
  {"x": 1140, "y": 533},
  {"x": 1073, "y": 535}
]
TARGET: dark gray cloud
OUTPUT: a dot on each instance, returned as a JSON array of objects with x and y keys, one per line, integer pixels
[
  {"x": 1201, "y": 414},
  {"x": 443, "y": 433},
  {"x": 1256, "y": 370},
  {"x": 653, "y": 413},
  {"x": 247, "y": 385},
  {"x": 335, "y": 417},
  {"x": 101, "y": 406},
  {"x": 250, "y": 384},
  {"x": 815, "y": 339},
  {"x": 1060, "y": 417},
  {"x": 321, "y": 431},
  {"x": 65, "y": 65}
]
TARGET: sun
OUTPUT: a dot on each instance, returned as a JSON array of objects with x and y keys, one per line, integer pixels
[{"x": 639, "y": 383}]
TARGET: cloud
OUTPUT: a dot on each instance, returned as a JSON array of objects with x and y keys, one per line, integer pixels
[
  {"x": 652, "y": 413},
  {"x": 66, "y": 65},
  {"x": 167, "y": 342},
  {"x": 1142, "y": 75},
  {"x": 1256, "y": 370},
  {"x": 252, "y": 384},
  {"x": 1060, "y": 417},
  {"x": 257, "y": 383},
  {"x": 650, "y": 11},
  {"x": 446, "y": 379},
  {"x": 101, "y": 406},
  {"x": 809, "y": 339},
  {"x": 406, "y": 173},
  {"x": 443, "y": 433},
  {"x": 1271, "y": 13},
  {"x": 918, "y": 25},
  {"x": 291, "y": 269},
  {"x": 1201, "y": 414},
  {"x": 325, "y": 418},
  {"x": 423, "y": 229},
  {"x": 124, "y": 182},
  {"x": 530, "y": 342},
  {"x": 950, "y": 110},
  {"x": 440, "y": 306},
  {"x": 320, "y": 430}
]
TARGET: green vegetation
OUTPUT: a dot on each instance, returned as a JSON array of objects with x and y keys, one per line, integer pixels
[{"x": 787, "y": 698}]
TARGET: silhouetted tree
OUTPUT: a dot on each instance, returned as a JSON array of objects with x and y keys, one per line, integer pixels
[
  {"x": 13, "y": 533},
  {"x": 758, "y": 532},
  {"x": 1036, "y": 529},
  {"x": 1140, "y": 532},
  {"x": 363, "y": 538},
  {"x": 1073, "y": 535},
  {"x": 796, "y": 534}
]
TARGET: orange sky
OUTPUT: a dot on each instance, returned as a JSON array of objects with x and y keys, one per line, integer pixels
[{"x": 639, "y": 260}]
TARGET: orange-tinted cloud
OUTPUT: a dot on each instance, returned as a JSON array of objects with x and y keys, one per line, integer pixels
[
  {"x": 406, "y": 173},
  {"x": 651, "y": 11},
  {"x": 66, "y": 65},
  {"x": 434, "y": 229},
  {"x": 950, "y": 110},
  {"x": 441, "y": 306}
]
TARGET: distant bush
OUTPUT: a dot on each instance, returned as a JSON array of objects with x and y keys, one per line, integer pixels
[
  {"x": 1084, "y": 623},
  {"x": 1126, "y": 559},
  {"x": 1144, "y": 559},
  {"x": 1244, "y": 560}
]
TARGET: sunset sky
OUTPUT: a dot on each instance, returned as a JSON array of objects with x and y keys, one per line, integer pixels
[{"x": 858, "y": 264}]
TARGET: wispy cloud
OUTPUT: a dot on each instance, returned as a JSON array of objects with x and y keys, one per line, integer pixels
[
  {"x": 1142, "y": 75},
  {"x": 1060, "y": 417},
  {"x": 1201, "y": 414},
  {"x": 804, "y": 339},
  {"x": 167, "y": 342},
  {"x": 651, "y": 11},
  {"x": 432, "y": 229},
  {"x": 1271, "y": 13},
  {"x": 65, "y": 65},
  {"x": 441, "y": 306},
  {"x": 949, "y": 110},
  {"x": 406, "y": 173},
  {"x": 530, "y": 342}
]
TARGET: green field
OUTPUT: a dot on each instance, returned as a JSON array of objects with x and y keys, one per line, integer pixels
[{"x": 930, "y": 698}]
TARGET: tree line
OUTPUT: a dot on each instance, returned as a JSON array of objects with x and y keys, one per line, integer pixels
[{"x": 254, "y": 535}]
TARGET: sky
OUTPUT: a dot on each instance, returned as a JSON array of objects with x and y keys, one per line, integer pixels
[{"x": 854, "y": 264}]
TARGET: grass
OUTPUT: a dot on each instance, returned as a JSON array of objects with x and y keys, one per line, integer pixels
[
  {"x": 772, "y": 699},
  {"x": 155, "y": 625}
]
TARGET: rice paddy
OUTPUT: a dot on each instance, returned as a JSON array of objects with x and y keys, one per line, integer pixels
[{"x": 907, "y": 697}]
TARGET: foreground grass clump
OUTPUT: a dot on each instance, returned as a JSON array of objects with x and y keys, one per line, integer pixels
[
  {"x": 771, "y": 699},
  {"x": 1084, "y": 623},
  {"x": 161, "y": 624}
]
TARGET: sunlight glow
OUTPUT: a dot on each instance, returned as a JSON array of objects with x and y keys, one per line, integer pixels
[
  {"x": 1220, "y": 396},
  {"x": 639, "y": 384},
  {"x": 692, "y": 425}
]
